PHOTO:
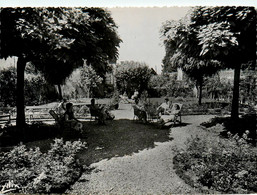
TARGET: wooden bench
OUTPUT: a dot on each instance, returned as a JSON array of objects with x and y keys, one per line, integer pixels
[{"x": 5, "y": 119}]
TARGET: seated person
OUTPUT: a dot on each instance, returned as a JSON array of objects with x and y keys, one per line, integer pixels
[
  {"x": 152, "y": 112},
  {"x": 125, "y": 98},
  {"x": 97, "y": 111},
  {"x": 142, "y": 113},
  {"x": 61, "y": 108},
  {"x": 71, "y": 119},
  {"x": 164, "y": 107},
  {"x": 135, "y": 95},
  {"x": 170, "y": 114},
  {"x": 101, "y": 112}
]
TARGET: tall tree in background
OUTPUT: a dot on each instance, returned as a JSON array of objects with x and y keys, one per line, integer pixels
[
  {"x": 36, "y": 88},
  {"x": 95, "y": 42},
  {"x": 131, "y": 76},
  {"x": 238, "y": 23},
  {"x": 8, "y": 86},
  {"x": 89, "y": 79},
  {"x": 56, "y": 40},
  {"x": 223, "y": 35},
  {"x": 183, "y": 50}
]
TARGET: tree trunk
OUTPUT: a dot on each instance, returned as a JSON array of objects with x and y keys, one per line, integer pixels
[
  {"x": 235, "y": 106},
  {"x": 200, "y": 91},
  {"x": 20, "y": 103},
  {"x": 60, "y": 91}
]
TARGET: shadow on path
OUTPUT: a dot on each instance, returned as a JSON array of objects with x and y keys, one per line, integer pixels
[{"x": 119, "y": 138}]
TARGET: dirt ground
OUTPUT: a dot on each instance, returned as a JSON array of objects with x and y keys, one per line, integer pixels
[{"x": 149, "y": 171}]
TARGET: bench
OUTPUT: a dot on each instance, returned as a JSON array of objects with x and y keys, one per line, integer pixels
[{"x": 5, "y": 119}]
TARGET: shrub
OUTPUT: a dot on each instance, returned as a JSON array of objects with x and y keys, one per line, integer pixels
[
  {"x": 246, "y": 122},
  {"x": 36, "y": 172},
  {"x": 227, "y": 166},
  {"x": 12, "y": 135}
]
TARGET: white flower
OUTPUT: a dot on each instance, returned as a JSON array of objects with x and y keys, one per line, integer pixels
[{"x": 241, "y": 173}]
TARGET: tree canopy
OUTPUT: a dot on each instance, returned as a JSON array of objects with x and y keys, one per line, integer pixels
[
  {"x": 56, "y": 41},
  {"x": 183, "y": 50},
  {"x": 237, "y": 48},
  {"x": 131, "y": 76},
  {"x": 227, "y": 34},
  {"x": 210, "y": 39}
]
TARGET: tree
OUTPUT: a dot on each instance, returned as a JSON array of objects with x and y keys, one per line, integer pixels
[
  {"x": 183, "y": 50},
  {"x": 159, "y": 83},
  {"x": 248, "y": 88},
  {"x": 168, "y": 85},
  {"x": 36, "y": 88},
  {"x": 225, "y": 35},
  {"x": 95, "y": 41},
  {"x": 131, "y": 76},
  {"x": 8, "y": 86},
  {"x": 56, "y": 40},
  {"x": 217, "y": 88},
  {"x": 236, "y": 47},
  {"x": 90, "y": 79}
]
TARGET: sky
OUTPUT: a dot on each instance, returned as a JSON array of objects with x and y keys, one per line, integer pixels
[
  {"x": 138, "y": 22},
  {"x": 139, "y": 29}
]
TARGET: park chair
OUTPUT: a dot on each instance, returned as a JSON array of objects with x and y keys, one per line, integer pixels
[
  {"x": 60, "y": 122},
  {"x": 173, "y": 118},
  {"x": 125, "y": 100},
  {"x": 152, "y": 112},
  {"x": 99, "y": 114},
  {"x": 58, "y": 119},
  {"x": 138, "y": 114}
]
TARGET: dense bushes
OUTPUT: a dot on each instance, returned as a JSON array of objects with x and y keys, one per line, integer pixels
[
  {"x": 12, "y": 135},
  {"x": 207, "y": 108},
  {"x": 34, "y": 172},
  {"x": 8, "y": 86},
  {"x": 36, "y": 90},
  {"x": 246, "y": 122},
  {"x": 213, "y": 164},
  {"x": 133, "y": 76},
  {"x": 168, "y": 85}
]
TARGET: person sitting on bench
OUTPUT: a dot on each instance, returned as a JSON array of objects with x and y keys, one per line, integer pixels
[
  {"x": 170, "y": 115},
  {"x": 141, "y": 114},
  {"x": 164, "y": 107},
  {"x": 71, "y": 119},
  {"x": 98, "y": 111}
]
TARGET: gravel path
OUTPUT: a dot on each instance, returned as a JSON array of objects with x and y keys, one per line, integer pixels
[{"x": 147, "y": 172}]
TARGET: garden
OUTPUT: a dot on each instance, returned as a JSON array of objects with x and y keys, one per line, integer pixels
[
  {"x": 212, "y": 149},
  {"x": 54, "y": 163}
]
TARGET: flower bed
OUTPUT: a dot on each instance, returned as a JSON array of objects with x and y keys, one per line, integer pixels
[
  {"x": 31, "y": 171},
  {"x": 215, "y": 165},
  {"x": 246, "y": 122}
]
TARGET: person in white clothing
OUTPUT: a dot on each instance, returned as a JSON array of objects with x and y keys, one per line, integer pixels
[{"x": 164, "y": 107}]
